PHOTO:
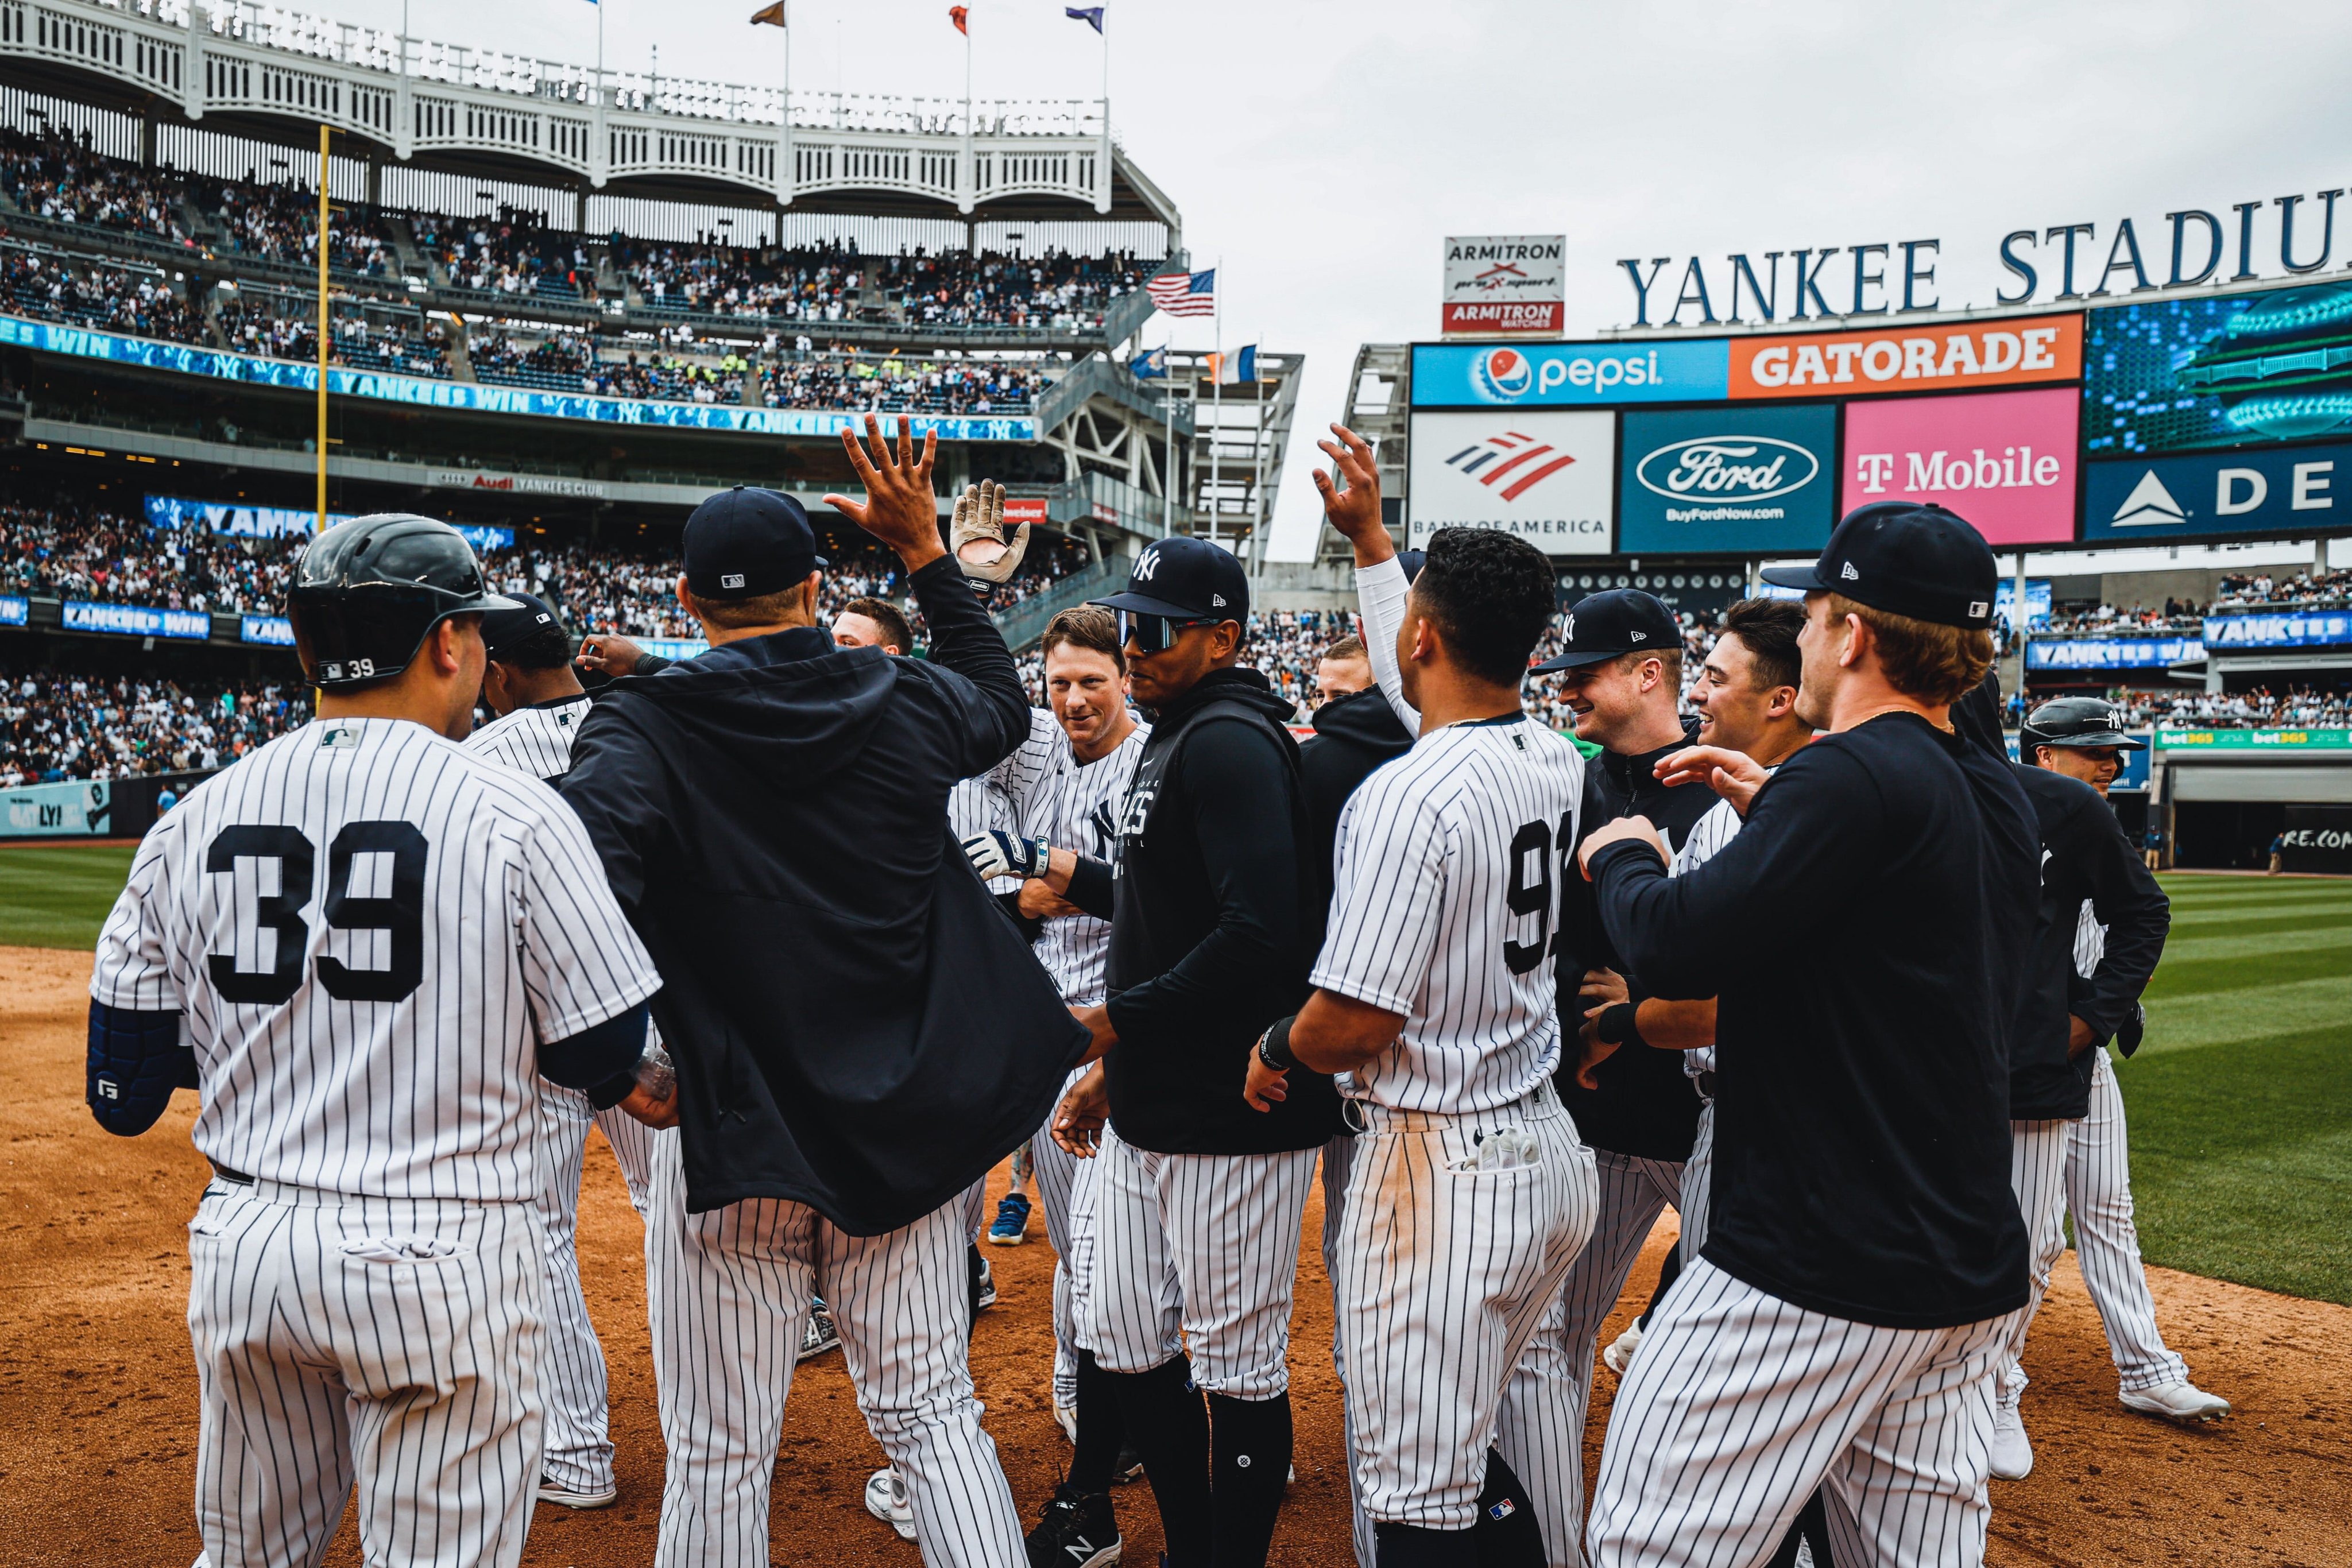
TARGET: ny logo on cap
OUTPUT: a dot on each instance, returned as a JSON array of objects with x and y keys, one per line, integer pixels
[
  {"x": 1848, "y": 573},
  {"x": 1146, "y": 566},
  {"x": 1572, "y": 626},
  {"x": 730, "y": 580}
]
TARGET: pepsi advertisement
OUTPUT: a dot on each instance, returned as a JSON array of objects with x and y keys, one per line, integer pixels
[
  {"x": 1569, "y": 375},
  {"x": 2240, "y": 369},
  {"x": 1734, "y": 478}
]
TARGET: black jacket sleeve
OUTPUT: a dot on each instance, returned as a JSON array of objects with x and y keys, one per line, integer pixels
[
  {"x": 1094, "y": 886},
  {"x": 1239, "y": 795},
  {"x": 622, "y": 792},
  {"x": 2126, "y": 900},
  {"x": 986, "y": 689}
]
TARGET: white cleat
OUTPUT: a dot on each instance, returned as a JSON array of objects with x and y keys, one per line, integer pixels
[
  {"x": 2013, "y": 1453},
  {"x": 555, "y": 1491},
  {"x": 885, "y": 1500},
  {"x": 1620, "y": 1354},
  {"x": 2182, "y": 1402}
]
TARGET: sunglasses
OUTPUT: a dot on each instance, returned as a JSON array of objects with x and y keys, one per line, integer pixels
[{"x": 1157, "y": 633}]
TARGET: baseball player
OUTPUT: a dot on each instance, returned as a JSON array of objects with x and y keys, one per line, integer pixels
[
  {"x": 2083, "y": 739},
  {"x": 1470, "y": 1193},
  {"x": 1862, "y": 936},
  {"x": 1066, "y": 787},
  {"x": 860, "y": 1038},
  {"x": 528, "y": 682},
  {"x": 368, "y": 1284},
  {"x": 1213, "y": 914}
]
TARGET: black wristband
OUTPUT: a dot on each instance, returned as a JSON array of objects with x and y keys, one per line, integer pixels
[
  {"x": 1620, "y": 1024},
  {"x": 1274, "y": 1045}
]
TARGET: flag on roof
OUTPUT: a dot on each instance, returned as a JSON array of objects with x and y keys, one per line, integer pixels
[
  {"x": 1233, "y": 366},
  {"x": 959, "y": 14},
  {"x": 1185, "y": 293},
  {"x": 1090, "y": 14},
  {"x": 1149, "y": 364},
  {"x": 773, "y": 15}
]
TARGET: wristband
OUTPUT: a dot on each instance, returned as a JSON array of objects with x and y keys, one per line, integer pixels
[
  {"x": 1620, "y": 1024},
  {"x": 1274, "y": 1045}
]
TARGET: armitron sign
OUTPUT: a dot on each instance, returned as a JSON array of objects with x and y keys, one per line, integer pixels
[{"x": 1505, "y": 283}]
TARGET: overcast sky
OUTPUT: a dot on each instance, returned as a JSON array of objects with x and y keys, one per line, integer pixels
[{"x": 1322, "y": 151}]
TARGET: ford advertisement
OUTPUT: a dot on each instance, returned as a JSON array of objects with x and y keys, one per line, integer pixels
[{"x": 1729, "y": 479}]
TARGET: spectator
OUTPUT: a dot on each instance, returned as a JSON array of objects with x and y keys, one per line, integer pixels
[{"x": 55, "y": 728}]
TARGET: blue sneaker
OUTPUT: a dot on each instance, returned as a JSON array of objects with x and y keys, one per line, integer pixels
[{"x": 1012, "y": 1226}]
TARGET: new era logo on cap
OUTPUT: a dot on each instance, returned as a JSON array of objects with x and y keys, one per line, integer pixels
[
  {"x": 1216, "y": 601},
  {"x": 1848, "y": 573}
]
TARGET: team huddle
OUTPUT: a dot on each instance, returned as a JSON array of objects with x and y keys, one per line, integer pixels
[{"x": 818, "y": 933}]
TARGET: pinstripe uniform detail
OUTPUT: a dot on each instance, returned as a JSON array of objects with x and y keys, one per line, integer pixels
[
  {"x": 2099, "y": 1196},
  {"x": 1469, "y": 1194},
  {"x": 2037, "y": 1174},
  {"x": 368, "y": 931},
  {"x": 1065, "y": 1194},
  {"x": 1893, "y": 1424},
  {"x": 536, "y": 741}
]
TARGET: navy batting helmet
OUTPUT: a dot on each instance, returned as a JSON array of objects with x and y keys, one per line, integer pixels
[
  {"x": 2076, "y": 722},
  {"x": 369, "y": 589}
]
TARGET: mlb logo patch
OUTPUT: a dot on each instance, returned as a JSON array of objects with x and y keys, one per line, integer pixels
[
  {"x": 1977, "y": 608},
  {"x": 1503, "y": 1509},
  {"x": 730, "y": 580}
]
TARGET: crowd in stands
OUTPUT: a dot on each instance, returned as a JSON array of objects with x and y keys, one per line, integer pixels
[
  {"x": 2105, "y": 620},
  {"x": 560, "y": 361},
  {"x": 895, "y": 383},
  {"x": 2302, "y": 588},
  {"x": 54, "y": 175},
  {"x": 92, "y": 294},
  {"x": 66, "y": 551},
  {"x": 2302, "y": 707},
  {"x": 961, "y": 289},
  {"x": 514, "y": 253},
  {"x": 809, "y": 285},
  {"x": 280, "y": 223},
  {"x": 284, "y": 327},
  {"x": 69, "y": 726}
]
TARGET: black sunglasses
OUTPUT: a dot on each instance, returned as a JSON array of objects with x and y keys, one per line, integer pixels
[{"x": 1157, "y": 633}]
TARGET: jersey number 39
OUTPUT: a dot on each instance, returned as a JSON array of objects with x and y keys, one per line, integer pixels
[{"x": 401, "y": 915}]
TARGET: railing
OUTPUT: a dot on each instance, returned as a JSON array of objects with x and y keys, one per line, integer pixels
[
  {"x": 1098, "y": 376},
  {"x": 1025, "y": 621},
  {"x": 417, "y": 95}
]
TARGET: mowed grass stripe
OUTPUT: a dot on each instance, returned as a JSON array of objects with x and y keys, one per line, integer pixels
[
  {"x": 2233, "y": 1017},
  {"x": 2292, "y": 937},
  {"x": 2298, "y": 908},
  {"x": 59, "y": 897}
]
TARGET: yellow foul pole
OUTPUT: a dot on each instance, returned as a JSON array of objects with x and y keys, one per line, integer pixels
[{"x": 322, "y": 328}]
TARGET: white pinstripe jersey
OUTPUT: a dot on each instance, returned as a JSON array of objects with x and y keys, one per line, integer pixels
[
  {"x": 2090, "y": 941},
  {"x": 1446, "y": 902},
  {"x": 368, "y": 930},
  {"x": 975, "y": 805},
  {"x": 1707, "y": 836},
  {"x": 537, "y": 739},
  {"x": 1075, "y": 805}
]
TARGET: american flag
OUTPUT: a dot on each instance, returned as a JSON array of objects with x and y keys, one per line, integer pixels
[{"x": 1185, "y": 293}]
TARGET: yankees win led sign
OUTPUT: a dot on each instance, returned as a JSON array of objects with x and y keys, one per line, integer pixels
[
  {"x": 1728, "y": 479},
  {"x": 1544, "y": 477}
]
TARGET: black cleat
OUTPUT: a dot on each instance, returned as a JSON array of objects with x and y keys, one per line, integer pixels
[{"x": 1074, "y": 1531}]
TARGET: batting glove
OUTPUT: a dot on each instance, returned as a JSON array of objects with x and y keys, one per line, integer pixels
[
  {"x": 997, "y": 854},
  {"x": 978, "y": 527}
]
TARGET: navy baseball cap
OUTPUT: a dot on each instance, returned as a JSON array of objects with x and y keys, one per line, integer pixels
[
  {"x": 1907, "y": 560},
  {"x": 744, "y": 542},
  {"x": 529, "y": 616},
  {"x": 1612, "y": 621},
  {"x": 1411, "y": 560},
  {"x": 1184, "y": 578}
]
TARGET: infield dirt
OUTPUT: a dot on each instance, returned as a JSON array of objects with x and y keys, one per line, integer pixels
[{"x": 98, "y": 1395}]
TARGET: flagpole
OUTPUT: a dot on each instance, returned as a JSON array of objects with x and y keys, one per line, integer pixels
[{"x": 1217, "y": 396}]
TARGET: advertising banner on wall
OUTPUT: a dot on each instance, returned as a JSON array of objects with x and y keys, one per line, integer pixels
[
  {"x": 2240, "y": 369},
  {"x": 2021, "y": 351},
  {"x": 137, "y": 620},
  {"x": 239, "y": 519},
  {"x": 2289, "y": 629},
  {"x": 2243, "y": 492},
  {"x": 52, "y": 810},
  {"x": 1504, "y": 283},
  {"x": 1544, "y": 477},
  {"x": 2005, "y": 461},
  {"x": 2096, "y": 653},
  {"x": 1728, "y": 479},
  {"x": 16, "y": 610},
  {"x": 2317, "y": 839},
  {"x": 1564, "y": 375}
]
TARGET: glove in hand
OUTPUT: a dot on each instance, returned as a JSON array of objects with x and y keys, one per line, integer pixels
[
  {"x": 976, "y": 535},
  {"x": 997, "y": 854}
]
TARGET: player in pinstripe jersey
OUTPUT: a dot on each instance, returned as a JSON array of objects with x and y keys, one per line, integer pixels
[
  {"x": 368, "y": 1274},
  {"x": 1470, "y": 1193},
  {"x": 2082, "y": 737},
  {"x": 1065, "y": 785},
  {"x": 528, "y": 682}
]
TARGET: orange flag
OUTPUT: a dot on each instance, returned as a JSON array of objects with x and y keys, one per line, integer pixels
[{"x": 959, "y": 14}]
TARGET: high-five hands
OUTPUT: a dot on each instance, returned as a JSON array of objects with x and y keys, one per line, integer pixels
[
  {"x": 977, "y": 535},
  {"x": 1734, "y": 775},
  {"x": 1355, "y": 511},
  {"x": 899, "y": 509}
]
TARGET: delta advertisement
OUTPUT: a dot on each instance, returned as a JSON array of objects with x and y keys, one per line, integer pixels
[
  {"x": 2206, "y": 493},
  {"x": 1757, "y": 480},
  {"x": 1545, "y": 477}
]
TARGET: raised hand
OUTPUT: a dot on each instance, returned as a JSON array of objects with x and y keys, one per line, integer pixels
[
  {"x": 977, "y": 535},
  {"x": 1355, "y": 511},
  {"x": 899, "y": 509},
  {"x": 1734, "y": 775}
]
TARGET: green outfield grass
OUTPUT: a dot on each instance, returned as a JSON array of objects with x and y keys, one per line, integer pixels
[{"x": 2239, "y": 1102}]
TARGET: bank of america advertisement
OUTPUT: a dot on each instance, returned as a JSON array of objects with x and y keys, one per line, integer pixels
[
  {"x": 1497, "y": 284},
  {"x": 1728, "y": 478},
  {"x": 1545, "y": 476}
]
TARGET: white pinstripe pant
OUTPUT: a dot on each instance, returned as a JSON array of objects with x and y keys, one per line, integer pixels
[
  {"x": 1445, "y": 1271},
  {"x": 2107, "y": 1242},
  {"x": 2037, "y": 1175},
  {"x": 1065, "y": 1187},
  {"x": 1199, "y": 1252},
  {"x": 579, "y": 1447},
  {"x": 1542, "y": 1431},
  {"x": 1739, "y": 1406},
  {"x": 739, "y": 1284},
  {"x": 1338, "y": 1167},
  {"x": 393, "y": 1342}
]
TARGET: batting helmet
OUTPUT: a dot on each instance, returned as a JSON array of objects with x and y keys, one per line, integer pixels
[
  {"x": 369, "y": 589},
  {"x": 2076, "y": 722}
]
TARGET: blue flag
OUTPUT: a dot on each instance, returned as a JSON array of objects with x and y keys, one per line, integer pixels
[
  {"x": 1090, "y": 14},
  {"x": 1149, "y": 364}
]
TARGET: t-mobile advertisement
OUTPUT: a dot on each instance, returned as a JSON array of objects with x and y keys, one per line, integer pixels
[{"x": 2005, "y": 461}]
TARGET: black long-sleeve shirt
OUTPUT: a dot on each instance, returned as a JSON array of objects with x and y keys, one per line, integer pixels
[
  {"x": 2085, "y": 859},
  {"x": 1216, "y": 913},
  {"x": 1865, "y": 936},
  {"x": 856, "y": 1027}
]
